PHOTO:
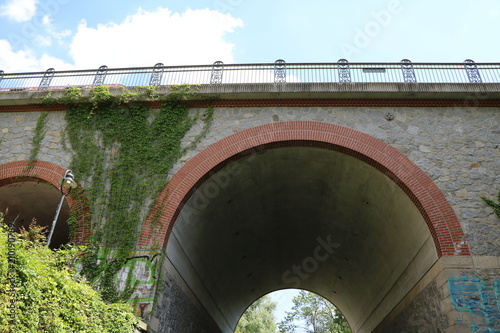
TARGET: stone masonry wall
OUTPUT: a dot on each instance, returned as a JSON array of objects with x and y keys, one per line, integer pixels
[
  {"x": 458, "y": 147},
  {"x": 176, "y": 313},
  {"x": 423, "y": 314},
  {"x": 17, "y": 130}
]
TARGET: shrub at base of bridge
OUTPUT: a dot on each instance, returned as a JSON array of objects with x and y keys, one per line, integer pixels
[{"x": 40, "y": 292}]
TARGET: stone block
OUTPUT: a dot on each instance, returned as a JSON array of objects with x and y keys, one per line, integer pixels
[
  {"x": 482, "y": 262},
  {"x": 462, "y": 193},
  {"x": 21, "y": 157},
  {"x": 446, "y": 306},
  {"x": 413, "y": 130},
  {"x": 442, "y": 280},
  {"x": 457, "y": 262},
  {"x": 457, "y": 329},
  {"x": 56, "y": 134},
  {"x": 154, "y": 324}
]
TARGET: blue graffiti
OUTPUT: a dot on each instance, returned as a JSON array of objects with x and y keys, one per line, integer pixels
[{"x": 471, "y": 295}]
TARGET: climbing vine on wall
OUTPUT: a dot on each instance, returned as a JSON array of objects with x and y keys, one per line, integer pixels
[
  {"x": 38, "y": 136},
  {"x": 123, "y": 151},
  {"x": 494, "y": 205}
]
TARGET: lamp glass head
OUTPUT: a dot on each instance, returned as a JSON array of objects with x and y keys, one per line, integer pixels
[{"x": 68, "y": 181}]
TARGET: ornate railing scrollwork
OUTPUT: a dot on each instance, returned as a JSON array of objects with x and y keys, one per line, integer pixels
[
  {"x": 280, "y": 71},
  {"x": 344, "y": 71},
  {"x": 472, "y": 71},
  {"x": 157, "y": 74},
  {"x": 100, "y": 76},
  {"x": 217, "y": 71},
  {"x": 46, "y": 79},
  {"x": 408, "y": 71}
]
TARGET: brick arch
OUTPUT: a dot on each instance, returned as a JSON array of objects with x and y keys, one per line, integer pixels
[
  {"x": 443, "y": 224},
  {"x": 25, "y": 171}
]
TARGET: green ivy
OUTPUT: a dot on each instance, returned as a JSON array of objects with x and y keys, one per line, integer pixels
[
  {"x": 123, "y": 151},
  {"x": 494, "y": 205},
  {"x": 38, "y": 136},
  {"x": 208, "y": 117}
]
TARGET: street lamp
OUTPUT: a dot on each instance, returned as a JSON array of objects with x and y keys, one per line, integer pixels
[{"x": 67, "y": 183}]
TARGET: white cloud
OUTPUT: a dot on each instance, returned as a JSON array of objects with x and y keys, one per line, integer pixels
[
  {"x": 19, "y": 10},
  {"x": 25, "y": 61},
  {"x": 143, "y": 39},
  {"x": 146, "y": 38},
  {"x": 47, "y": 61},
  {"x": 46, "y": 20},
  {"x": 49, "y": 32},
  {"x": 43, "y": 40},
  {"x": 11, "y": 61}
]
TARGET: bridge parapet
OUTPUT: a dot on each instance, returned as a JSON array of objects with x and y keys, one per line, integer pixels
[
  {"x": 280, "y": 73},
  {"x": 404, "y": 80},
  {"x": 479, "y": 94}
]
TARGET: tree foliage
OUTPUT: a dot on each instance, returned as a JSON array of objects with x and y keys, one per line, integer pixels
[
  {"x": 39, "y": 291},
  {"x": 259, "y": 317},
  {"x": 312, "y": 313}
]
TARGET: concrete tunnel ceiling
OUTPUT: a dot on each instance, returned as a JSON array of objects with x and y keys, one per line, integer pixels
[{"x": 300, "y": 217}]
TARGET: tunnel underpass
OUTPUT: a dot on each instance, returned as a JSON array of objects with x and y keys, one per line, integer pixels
[
  {"x": 300, "y": 216},
  {"x": 33, "y": 199}
]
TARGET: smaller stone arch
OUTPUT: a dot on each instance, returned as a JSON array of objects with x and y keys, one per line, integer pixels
[{"x": 49, "y": 173}]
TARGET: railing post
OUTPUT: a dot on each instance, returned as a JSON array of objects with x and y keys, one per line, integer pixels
[
  {"x": 47, "y": 78},
  {"x": 344, "y": 71},
  {"x": 280, "y": 71},
  {"x": 408, "y": 72},
  {"x": 1, "y": 75},
  {"x": 472, "y": 71},
  {"x": 156, "y": 75},
  {"x": 217, "y": 71},
  {"x": 100, "y": 76}
]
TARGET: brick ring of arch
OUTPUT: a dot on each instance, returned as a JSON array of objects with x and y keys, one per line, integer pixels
[
  {"x": 446, "y": 231},
  {"x": 17, "y": 174},
  {"x": 305, "y": 205}
]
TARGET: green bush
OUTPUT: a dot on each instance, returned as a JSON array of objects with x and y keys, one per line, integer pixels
[{"x": 48, "y": 295}]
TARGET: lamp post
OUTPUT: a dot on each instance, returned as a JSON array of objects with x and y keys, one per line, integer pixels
[{"x": 67, "y": 183}]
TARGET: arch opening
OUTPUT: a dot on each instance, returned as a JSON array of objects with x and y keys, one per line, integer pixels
[
  {"x": 35, "y": 201},
  {"x": 292, "y": 309},
  {"x": 300, "y": 215}
]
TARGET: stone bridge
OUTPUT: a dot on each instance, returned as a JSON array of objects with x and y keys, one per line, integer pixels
[{"x": 368, "y": 194}]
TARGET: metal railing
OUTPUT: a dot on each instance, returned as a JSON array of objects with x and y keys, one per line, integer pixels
[{"x": 278, "y": 72}]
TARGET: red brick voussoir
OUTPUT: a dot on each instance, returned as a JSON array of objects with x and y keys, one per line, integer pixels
[
  {"x": 443, "y": 224},
  {"x": 24, "y": 171}
]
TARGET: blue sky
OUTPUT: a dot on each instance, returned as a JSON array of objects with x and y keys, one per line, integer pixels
[
  {"x": 284, "y": 300},
  {"x": 67, "y": 34}
]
